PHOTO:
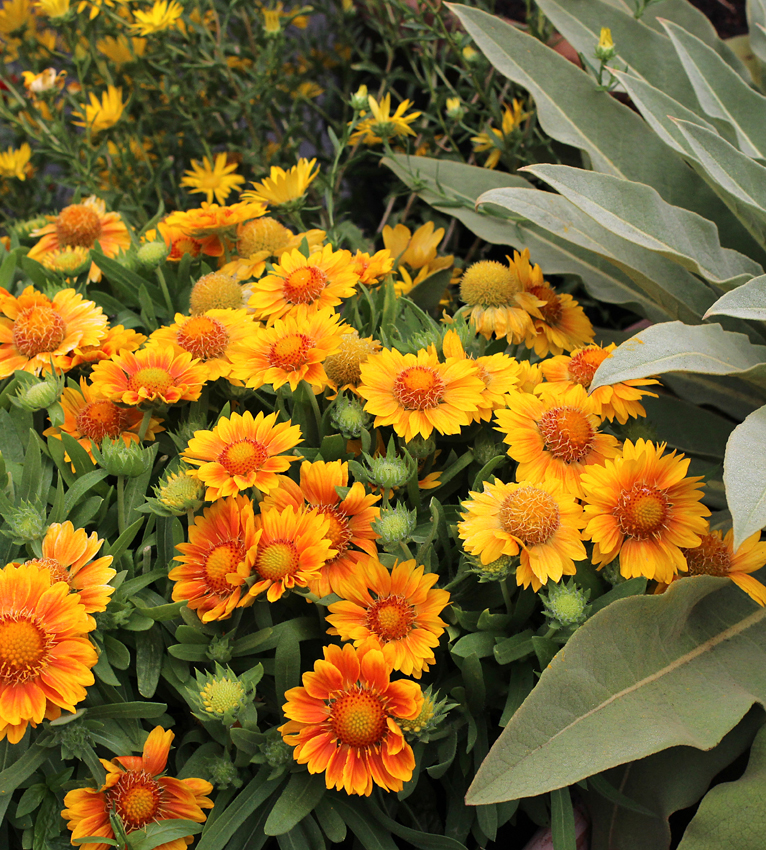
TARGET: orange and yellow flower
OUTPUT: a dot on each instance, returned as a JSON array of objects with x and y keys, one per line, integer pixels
[
  {"x": 137, "y": 792},
  {"x": 35, "y": 330},
  {"x": 45, "y": 655},
  {"x": 396, "y": 612},
  {"x": 554, "y": 435},
  {"x": 217, "y": 560},
  {"x": 537, "y": 520},
  {"x": 211, "y": 226},
  {"x": 559, "y": 322},
  {"x": 415, "y": 250},
  {"x": 117, "y": 339},
  {"x": 283, "y": 187},
  {"x": 417, "y": 394},
  {"x": 242, "y": 451},
  {"x": 342, "y": 721},
  {"x": 642, "y": 507},
  {"x": 151, "y": 374},
  {"x": 371, "y": 269}
]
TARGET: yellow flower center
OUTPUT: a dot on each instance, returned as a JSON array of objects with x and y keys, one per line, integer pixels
[
  {"x": 583, "y": 365},
  {"x": 262, "y": 234},
  {"x": 78, "y": 224},
  {"x": 304, "y": 285},
  {"x": 489, "y": 284},
  {"x": 290, "y": 352},
  {"x": 344, "y": 367},
  {"x": 181, "y": 491},
  {"x": 337, "y": 532},
  {"x": 215, "y": 291},
  {"x": 99, "y": 419},
  {"x": 390, "y": 618},
  {"x": 358, "y": 718},
  {"x": 57, "y": 571},
  {"x": 222, "y": 559},
  {"x": 38, "y": 329},
  {"x": 711, "y": 558},
  {"x": 136, "y": 798},
  {"x": 203, "y": 337},
  {"x": 277, "y": 560},
  {"x": 222, "y": 695},
  {"x": 24, "y": 646},
  {"x": 567, "y": 433},
  {"x": 552, "y": 311},
  {"x": 243, "y": 457},
  {"x": 422, "y": 720},
  {"x": 642, "y": 511},
  {"x": 531, "y": 515},
  {"x": 154, "y": 379},
  {"x": 419, "y": 388}
]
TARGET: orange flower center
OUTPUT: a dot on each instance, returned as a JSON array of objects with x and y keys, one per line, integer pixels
[
  {"x": 391, "y": 618},
  {"x": 531, "y": 515},
  {"x": 277, "y": 560},
  {"x": 304, "y": 285},
  {"x": 222, "y": 559},
  {"x": 99, "y": 419},
  {"x": 642, "y": 511},
  {"x": 154, "y": 379},
  {"x": 552, "y": 310},
  {"x": 24, "y": 646},
  {"x": 567, "y": 433},
  {"x": 78, "y": 224},
  {"x": 358, "y": 718},
  {"x": 711, "y": 558},
  {"x": 583, "y": 365},
  {"x": 137, "y": 799},
  {"x": 337, "y": 532},
  {"x": 38, "y": 329},
  {"x": 58, "y": 572},
  {"x": 419, "y": 388},
  {"x": 204, "y": 337},
  {"x": 243, "y": 457},
  {"x": 290, "y": 352}
]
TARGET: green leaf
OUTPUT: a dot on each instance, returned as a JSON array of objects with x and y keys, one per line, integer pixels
[
  {"x": 154, "y": 834},
  {"x": 371, "y": 835},
  {"x": 80, "y": 487},
  {"x": 428, "y": 293},
  {"x": 745, "y": 302},
  {"x": 562, "y": 820},
  {"x": 331, "y": 822},
  {"x": 287, "y": 663},
  {"x": 416, "y": 837},
  {"x": 756, "y": 19},
  {"x": 121, "y": 544},
  {"x": 696, "y": 654},
  {"x": 744, "y": 476},
  {"x": 127, "y": 711},
  {"x": 298, "y": 799},
  {"x": 688, "y": 427},
  {"x": 480, "y": 644},
  {"x": 150, "y": 650}
]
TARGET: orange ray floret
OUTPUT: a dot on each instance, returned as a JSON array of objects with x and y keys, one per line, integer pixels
[
  {"x": 217, "y": 560},
  {"x": 292, "y": 549},
  {"x": 35, "y": 329},
  {"x": 45, "y": 656},
  {"x": 151, "y": 374},
  {"x": 538, "y": 521},
  {"x": 242, "y": 451},
  {"x": 117, "y": 338},
  {"x": 396, "y": 612},
  {"x": 554, "y": 435},
  {"x": 349, "y": 519},
  {"x": 417, "y": 394},
  {"x": 212, "y": 228},
  {"x": 642, "y": 507},
  {"x": 139, "y": 795},
  {"x": 342, "y": 721}
]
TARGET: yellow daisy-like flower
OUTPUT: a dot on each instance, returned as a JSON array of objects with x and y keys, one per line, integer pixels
[
  {"x": 14, "y": 162},
  {"x": 321, "y": 280},
  {"x": 213, "y": 180},
  {"x": 151, "y": 374},
  {"x": 265, "y": 238},
  {"x": 382, "y": 124},
  {"x": 212, "y": 225},
  {"x": 35, "y": 330},
  {"x": 102, "y": 114},
  {"x": 70, "y": 261},
  {"x": 559, "y": 323},
  {"x": 417, "y": 394},
  {"x": 289, "y": 351},
  {"x": 53, "y": 8},
  {"x": 371, "y": 269},
  {"x": 643, "y": 507},
  {"x": 618, "y": 401},
  {"x": 283, "y": 187},
  {"x": 210, "y": 337},
  {"x": 121, "y": 50},
  {"x": 494, "y": 140},
  {"x": 415, "y": 250},
  {"x": 15, "y": 15},
  {"x": 117, "y": 339},
  {"x": 241, "y": 452},
  {"x": 554, "y": 435},
  {"x": 537, "y": 520},
  {"x": 344, "y": 366},
  {"x": 162, "y": 16}
]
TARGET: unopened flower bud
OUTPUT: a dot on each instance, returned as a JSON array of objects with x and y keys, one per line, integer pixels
[
  {"x": 349, "y": 418},
  {"x": 495, "y": 570},
  {"x": 151, "y": 255},
  {"x": 395, "y": 525},
  {"x": 117, "y": 458},
  {"x": 565, "y": 603},
  {"x": 420, "y": 447},
  {"x": 26, "y": 523},
  {"x": 605, "y": 48},
  {"x": 221, "y": 773},
  {"x": 222, "y": 695},
  {"x": 180, "y": 492},
  {"x": 389, "y": 471},
  {"x": 455, "y": 109},
  {"x": 219, "y": 649},
  {"x": 276, "y": 753},
  {"x": 359, "y": 99},
  {"x": 36, "y": 395}
]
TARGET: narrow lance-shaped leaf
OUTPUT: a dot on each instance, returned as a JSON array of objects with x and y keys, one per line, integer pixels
[
  {"x": 745, "y": 302},
  {"x": 756, "y": 19},
  {"x": 744, "y": 476}
]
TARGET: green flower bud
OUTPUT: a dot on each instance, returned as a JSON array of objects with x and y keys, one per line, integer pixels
[
  {"x": 71, "y": 736},
  {"x": 611, "y": 572},
  {"x": 219, "y": 649},
  {"x": 605, "y": 48},
  {"x": 222, "y": 695},
  {"x": 565, "y": 604},
  {"x": 120, "y": 459},
  {"x": 389, "y": 472},
  {"x": 455, "y": 109},
  {"x": 221, "y": 773},
  {"x": 420, "y": 448},
  {"x": 430, "y": 718},
  {"x": 485, "y": 447},
  {"x": 496, "y": 570},
  {"x": 26, "y": 523},
  {"x": 359, "y": 99},
  {"x": 24, "y": 229},
  {"x": 151, "y": 255},
  {"x": 276, "y": 753},
  {"x": 127, "y": 259},
  {"x": 180, "y": 492},
  {"x": 349, "y": 418},
  {"x": 395, "y": 525},
  {"x": 33, "y": 395}
]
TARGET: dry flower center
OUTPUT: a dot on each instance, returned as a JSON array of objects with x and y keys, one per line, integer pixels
[
  {"x": 203, "y": 337},
  {"x": 531, "y": 515},
  {"x": 419, "y": 388},
  {"x": 99, "y": 419},
  {"x": 290, "y": 352},
  {"x": 583, "y": 365},
  {"x": 24, "y": 647},
  {"x": 711, "y": 558},
  {"x": 642, "y": 511},
  {"x": 567, "y": 433},
  {"x": 38, "y": 329},
  {"x": 304, "y": 285},
  {"x": 137, "y": 799},
  {"x": 78, "y": 224}
]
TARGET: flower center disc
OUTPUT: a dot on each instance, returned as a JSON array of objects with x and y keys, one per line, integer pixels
[
  {"x": 262, "y": 234},
  {"x": 78, "y": 224},
  {"x": 222, "y": 695},
  {"x": 277, "y": 560},
  {"x": 390, "y": 618},
  {"x": 642, "y": 511},
  {"x": 531, "y": 515},
  {"x": 710, "y": 558},
  {"x": 154, "y": 379},
  {"x": 582, "y": 367},
  {"x": 38, "y": 329},
  {"x": 220, "y": 561},
  {"x": 567, "y": 433},
  {"x": 57, "y": 571},
  {"x": 358, "y": 719},
  {"x": 489, "y": 284},
  {"x": 337, "y": 531},
  {"x": 99, "y": 419},
  {"x": 289, "y": 353},
  {"x": 203, "y": 337},
  {"x": 23, "y": 650},
  {"x": 552, "y": 311},
  {"x": 136, "y": 798},
  {"x": 419, "y": 388},
  {"x": 243, "y": 457},
  {"x": 304, "y": 285}
]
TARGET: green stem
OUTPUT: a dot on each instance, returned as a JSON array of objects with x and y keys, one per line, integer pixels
[
  {"x": 145, "y": 424},
  {"x": 120, "y": 503},
  {"x": 407, "y": 551},
  {"x": 506, "y": 596},
  {"x": 165, "y": 292}
]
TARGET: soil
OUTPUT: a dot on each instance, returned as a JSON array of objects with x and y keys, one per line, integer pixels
[{"x": 727, "y": 16}]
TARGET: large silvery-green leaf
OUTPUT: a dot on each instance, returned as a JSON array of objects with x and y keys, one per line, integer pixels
[
  {"x": 733, "y": 814},
  {"x": 745, "y": 302},
  {"x": 722, "y": 93},
  {"x": 637, "y": 213},
  {"x": 643, "y": 674},
  {"x": 756, "y": 19},
  {"x": 676, "y": 347},
  {"x": 677, "y": 291},
  {"x": 744, "y": 475}
]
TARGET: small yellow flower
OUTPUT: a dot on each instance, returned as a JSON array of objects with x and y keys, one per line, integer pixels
[
  {"x": 53, "y": 8},
  {"x": 494, "y": 140},
  {"x": 605, "y": 49},
  {"x": 104, "y": 114},
  {"x": 121, "y": 50},
  {"x": 359, "y": 98},
  {"x": 283, "y": 187},
  {"x": 455, "y": 109},
  {"x": 382, "y": 124},
  {"x": 271, "y": 22},
  {"x": 14, "y": 16},
  {"x": 44, "y": 81},
  {"x": 163, "y": 15},
  {"x": 211, "y": 180},
  {"x": 14, "y": 162}
]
